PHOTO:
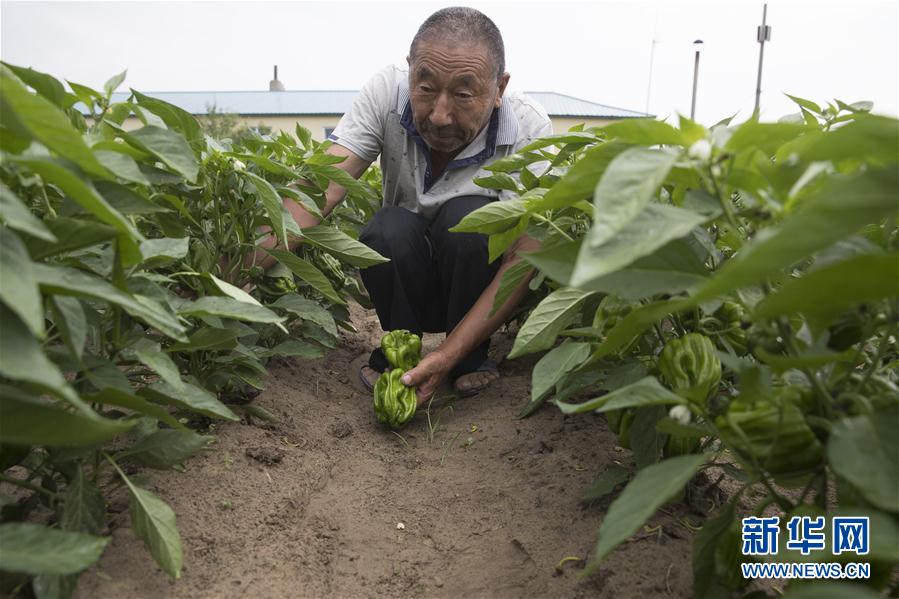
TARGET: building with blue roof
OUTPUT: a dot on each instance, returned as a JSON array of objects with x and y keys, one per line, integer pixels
[{"x": 320, "y": 110}]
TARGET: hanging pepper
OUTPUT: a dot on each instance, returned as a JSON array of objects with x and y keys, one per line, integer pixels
[
  {"x": 691, "y": 367},
  {"x": 773, "y": 434}
]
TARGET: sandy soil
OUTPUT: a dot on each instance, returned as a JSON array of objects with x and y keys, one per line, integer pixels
[{"x": 326, "y": 503}]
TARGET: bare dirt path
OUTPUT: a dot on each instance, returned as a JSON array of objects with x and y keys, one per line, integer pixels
[{"x": 326, "y": 503}]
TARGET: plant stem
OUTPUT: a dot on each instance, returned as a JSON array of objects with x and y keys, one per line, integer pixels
[
  {"x": 881, "y": 349},
  {"x": 27, "y": 485},
  {"x": 549, "y": 222}
]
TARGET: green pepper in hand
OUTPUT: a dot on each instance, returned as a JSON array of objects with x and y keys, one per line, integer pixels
[
  {"x": 402, "y": 349},
  {"x": 394, "y": 402}
]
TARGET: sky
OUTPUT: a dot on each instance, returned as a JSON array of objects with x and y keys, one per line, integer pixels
[{"x": 634, "y": 55}]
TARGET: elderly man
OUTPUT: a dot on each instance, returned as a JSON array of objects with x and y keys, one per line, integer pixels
[{"x": 435, "y": 128}]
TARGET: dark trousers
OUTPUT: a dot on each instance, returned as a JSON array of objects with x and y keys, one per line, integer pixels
[{"x": 433, "y": 278}]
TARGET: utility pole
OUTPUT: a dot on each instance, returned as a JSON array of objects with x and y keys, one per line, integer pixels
[
  {"x": 698, "y": 45},
  {"x": 763, "y": 34},
  {"x": 652, "y": 54}
]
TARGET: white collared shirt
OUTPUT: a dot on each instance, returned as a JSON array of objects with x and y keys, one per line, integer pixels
[{"x": 380, "y": 122}]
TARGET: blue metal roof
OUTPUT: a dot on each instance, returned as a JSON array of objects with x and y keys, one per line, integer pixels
[{"x": 337, "y": 102}]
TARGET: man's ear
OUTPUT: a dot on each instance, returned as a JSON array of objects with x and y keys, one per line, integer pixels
[
  {"x": 501, "y": 88},
  {"x": 409, "y": 61}
]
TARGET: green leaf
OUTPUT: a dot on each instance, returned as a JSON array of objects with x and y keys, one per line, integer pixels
[
  {"x": 175, "y": 118},
  {"x": 829, "y": 214},
  {"x": 164, "y": 249},
  {"x": 705, "y": 546},
  {"x": 494, "y": 217},
  {"x": 84, "y": 509},
  {"x": 498, "y": 243},
  {"x": 869, "y": 137},
  {"x": 307, "y": 310},
  {"x": 47, "y": 123},
  {"x": 630, "y": 181},
  {"x": 671, "y": 269},
  {"x": 636, "y": 322},
  {"x": 168, "y": 146},
  {"x": 121, "y": 399},
  {"x": 167, "y": 448},
  {"x": 71, "y": 321},
  {"x": 226, "y": 307},
  {"x": 47, "y": 86},
  {"x": 855, "y": 280},
  {"x": 512, "y": 278},
  {"x": 114, "y": 82},
  {"x": 22, "y": 359},
  {"x": 560, "y": 139},
  {"x": 691, "y": 131},
  {"x": 545, "y": 322},
  {"x": 125, "y": 200},
  {"x": 153, "y": 522},
  {"x": 864, "y": 451},
  {"x": 499, "y": 181},
  {"x": 767, "y": 137},
  {"x": 30, "y": 421},
  {"x": 606, "y": 482},
  {"x": 304, "y": 135},
  {"x": 189, "y": 397},
  {"x": 36, "y": 549},
  {"x": 122, "y": 166},
  {"x": 646, "y": 442},
  {"x": 19, "y": 286},
  {"x": 83, "y": 192},
  {"x": 68, "y": 281},
  {"x": 18, "y": 217},
  {"x": 271, "y": 201},
  {"x": 151, "y": 355},
  {"x": 555, "y": 261},
  {"x": 645, "y": 132},
  {"x": 552, "y": 367},
  {"x": 581, "y": 179},
  {"x": 808, "y": 104},
  {"x": 342, "y": 246},
  {"x": 71, "y": 234},
  {"x": 657, "y": 225},
  {"x": 307, "y": 272},
  {"x": 645, "y": 392},
  {"x": 650, "y": 489},
  {"x": 207, "y": 339},
  {"x": 342, "y": 178}
]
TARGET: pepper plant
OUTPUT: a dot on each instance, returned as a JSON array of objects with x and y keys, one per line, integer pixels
[
  {"x": 124, "y": 307},
  {"x": 729, "y": 298}
]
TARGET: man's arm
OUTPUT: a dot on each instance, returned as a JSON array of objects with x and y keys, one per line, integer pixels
[
  {"x": 353, "y": 165},
  {"x": 475, "y": 328}
]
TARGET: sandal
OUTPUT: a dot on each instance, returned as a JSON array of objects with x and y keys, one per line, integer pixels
[
  {"x": 365, "y": 383},
  {"x": 486, "y": 366}
]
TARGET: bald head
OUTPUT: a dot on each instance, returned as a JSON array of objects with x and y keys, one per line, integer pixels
[{"x": 463, "y": 24}]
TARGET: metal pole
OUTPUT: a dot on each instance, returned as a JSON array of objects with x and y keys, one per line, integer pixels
[
  {"x": 652, "y": 54},
  {"x": 695, "y": 81},
  {"x": 763, "y": 35}
]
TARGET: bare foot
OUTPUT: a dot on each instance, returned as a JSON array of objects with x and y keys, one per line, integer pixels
[
  {"x": 370, "y": 374},
  {"x": 475, "y": 380}
]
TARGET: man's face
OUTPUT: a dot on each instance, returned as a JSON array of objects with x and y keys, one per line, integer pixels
[{"x": 453, "y": 90}]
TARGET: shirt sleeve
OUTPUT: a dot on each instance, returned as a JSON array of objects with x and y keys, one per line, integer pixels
[{"x": 361, "y": 129}]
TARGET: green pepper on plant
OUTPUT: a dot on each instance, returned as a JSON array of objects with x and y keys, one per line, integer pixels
[{"x": 691, "y": 367}]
